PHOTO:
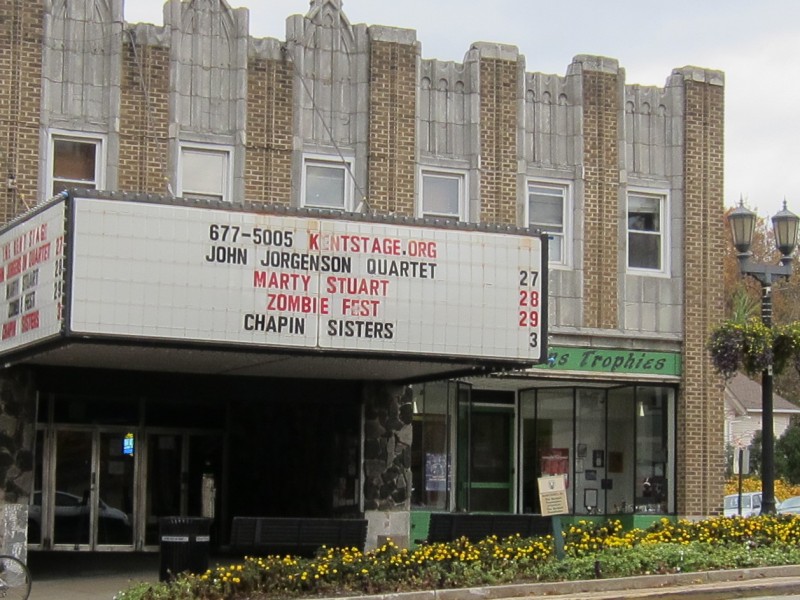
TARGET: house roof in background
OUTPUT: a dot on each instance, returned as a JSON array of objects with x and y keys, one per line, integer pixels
[{"x": 747, "y": 393}]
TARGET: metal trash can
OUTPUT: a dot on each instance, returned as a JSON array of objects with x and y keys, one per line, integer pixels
[{"x": 184, "y": 545}]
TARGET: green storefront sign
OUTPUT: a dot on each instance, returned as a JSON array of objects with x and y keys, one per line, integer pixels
[{"x": 599, "y": 360}]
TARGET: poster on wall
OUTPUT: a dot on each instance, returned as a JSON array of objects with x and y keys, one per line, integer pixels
[
  {"x": 435, "y": 472},
  {"x": 555, "y": 461}
]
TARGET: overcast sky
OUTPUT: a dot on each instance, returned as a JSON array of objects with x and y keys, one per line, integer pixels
[{"x": 756, "y": 45}]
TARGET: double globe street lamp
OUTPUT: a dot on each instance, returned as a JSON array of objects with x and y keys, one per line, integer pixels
[{"x": 785, "y": 226}]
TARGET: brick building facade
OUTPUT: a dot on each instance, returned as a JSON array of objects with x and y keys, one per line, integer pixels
[{"x": 627, "y": 179}]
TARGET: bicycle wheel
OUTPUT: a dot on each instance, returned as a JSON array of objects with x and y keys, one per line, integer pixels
[{"x": 15, "y": 579}]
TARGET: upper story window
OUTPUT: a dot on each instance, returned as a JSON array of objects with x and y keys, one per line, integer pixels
[
  {"x": 327, "y": 183},
  {"x": 646, "y": 232},
  {"x": 548, "y": 210},
  {"x": 443, "y": 195},
  {"x": 204, "y": 173},
  {"x": 77, "y": 162}
]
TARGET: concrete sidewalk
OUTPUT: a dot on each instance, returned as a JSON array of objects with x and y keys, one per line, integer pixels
[
  {"x": 67, "y": 576},
  {"x": 79, "y": 576}
]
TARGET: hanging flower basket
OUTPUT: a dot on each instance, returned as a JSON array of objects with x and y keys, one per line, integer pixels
[{"x": 752, "y": 347}]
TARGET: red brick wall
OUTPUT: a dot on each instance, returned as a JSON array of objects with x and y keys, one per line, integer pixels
[
  {"x": 392, "y": 127},
  {"x": 20, "y": 104},
  {"x": 498, "y": 139},
  {"x": 701, "y": 458},
  {"x": 268, "y": 160},
  {"x": 601, "y": 199}
]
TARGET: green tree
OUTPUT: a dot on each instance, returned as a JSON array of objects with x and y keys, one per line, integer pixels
[{"x": 787, "y": 455}]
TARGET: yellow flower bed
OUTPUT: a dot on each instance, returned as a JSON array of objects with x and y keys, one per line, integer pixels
[
  {"x": 462, "y": 563},
  {"x": 783, "y": 489}
]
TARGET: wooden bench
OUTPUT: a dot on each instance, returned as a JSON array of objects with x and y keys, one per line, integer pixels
[
  {"x": 296, "y": 535},
  {"x": 446, "y": 527}
]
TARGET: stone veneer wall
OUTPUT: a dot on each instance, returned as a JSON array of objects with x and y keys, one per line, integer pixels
[
  {"x": 17, "y": 439},
  {"x": 21, "y": 29},
  {"x": 701, "y": 416},
  {"x": 388, "y": 412}
]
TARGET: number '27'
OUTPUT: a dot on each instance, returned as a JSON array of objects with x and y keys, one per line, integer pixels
[{"x": 528, "y": 278}]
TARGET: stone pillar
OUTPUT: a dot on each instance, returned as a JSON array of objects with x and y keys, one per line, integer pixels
[
  {"x": 388, "y": 411},
  {"x": 17, "y": 440}
]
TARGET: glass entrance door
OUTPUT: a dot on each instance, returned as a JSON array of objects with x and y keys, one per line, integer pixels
[
  {"x": 71, "y": 498},
  {"x": 183, "y": 477},
  {"x": 91, "y": 501},
  {"x": 486, "y": 451},
  {"x": 491, "y": 460},
  {"x": 166, "y": 490},
  {"x": 114, "y": 505}
]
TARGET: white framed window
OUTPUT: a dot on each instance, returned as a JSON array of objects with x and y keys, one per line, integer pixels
[
  {"x": 76, "y": 161},
  {"x": 443, "y": 194},
  {"x": 647, "y": 231},
  {"x": 327, "y": 183},
  {"x": 204, "y": 172},
  {"x": 548, "y": 210}
]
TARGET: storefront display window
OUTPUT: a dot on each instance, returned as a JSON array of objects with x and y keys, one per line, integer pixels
[
  {"x": 548, "y": 436},
  {"x": 591, "y": 468},
  {"x": 619, "y": 485},
  {"x": 611, "y": 442},
  {"x": 652, "y": 458},
  {"x": 430, "y": 453}
]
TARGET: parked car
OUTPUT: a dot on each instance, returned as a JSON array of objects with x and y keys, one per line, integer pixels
[
  {"x": 751, "y": 504},
  {"x": 790, "y": 506},
  {"x": 72, "y": 520}
]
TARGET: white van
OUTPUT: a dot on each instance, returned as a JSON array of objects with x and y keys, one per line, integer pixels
[{"x": 751, "y": 504}]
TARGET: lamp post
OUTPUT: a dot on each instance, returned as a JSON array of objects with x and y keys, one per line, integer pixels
[{"x": 785, "y": 226}]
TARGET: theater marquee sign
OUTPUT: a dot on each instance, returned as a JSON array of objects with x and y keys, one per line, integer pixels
[{"x": 169, "y": 271}]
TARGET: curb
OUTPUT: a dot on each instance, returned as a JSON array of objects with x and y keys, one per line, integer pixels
[{"x": 736, "y": 583}]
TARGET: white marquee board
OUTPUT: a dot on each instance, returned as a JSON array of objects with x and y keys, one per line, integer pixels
[
  {"x": 32, "y": 279},
  {"x": 190, "y": 274}
]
